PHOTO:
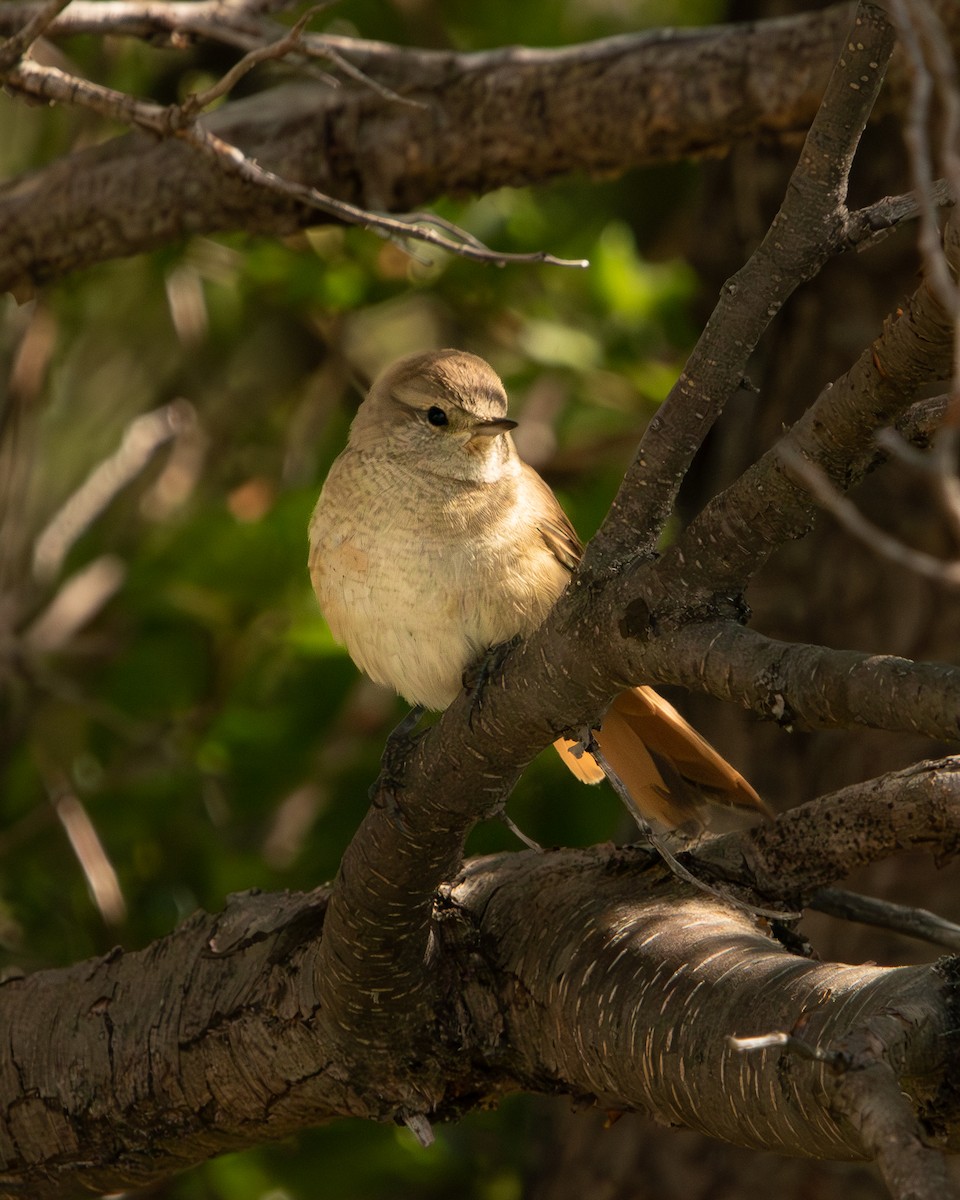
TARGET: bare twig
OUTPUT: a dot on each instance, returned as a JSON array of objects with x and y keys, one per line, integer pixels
[
  {"x": 197, "y": 102},
  {"x": 924, "y": 41},
  {"x": 16, "y": 46},
  {"x": 786, "y": 1041},
  {"x": 76, "y": 603},
  {"x": 141, "y": 440},
  {"x": 855, "y": 523},
  {"x": 935, "y": 72},
  {"x": 397, "y": 228},
  {"x": 900, "y": 918},
  {"x": 871, "y": 224},
  {"x": 50, "y": 84},
  {"x": 85, "y": 842}
]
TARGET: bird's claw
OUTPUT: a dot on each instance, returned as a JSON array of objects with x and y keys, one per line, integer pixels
[
  {"x": 398, "y": 745},
  {"x": 478, "y": 675}
]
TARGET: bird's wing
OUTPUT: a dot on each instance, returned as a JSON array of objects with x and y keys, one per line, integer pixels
[{"x": 552, "y": 522}]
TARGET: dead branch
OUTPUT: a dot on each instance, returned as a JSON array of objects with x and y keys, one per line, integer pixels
[
  {"x": 486, "y": 126},
  {"x": 825, "y": 840},
  {"x": 910, "y": 922},
  {"x": 809, "y": 228}
]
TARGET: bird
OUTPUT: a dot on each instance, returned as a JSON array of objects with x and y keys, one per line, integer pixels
[{"x": 432, "y": 542}]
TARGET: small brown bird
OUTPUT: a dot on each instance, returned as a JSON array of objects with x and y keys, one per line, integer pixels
[{"x": 432, "y": 542}]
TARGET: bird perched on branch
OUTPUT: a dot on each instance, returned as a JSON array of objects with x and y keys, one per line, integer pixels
[{"x": 433, "y": 542}]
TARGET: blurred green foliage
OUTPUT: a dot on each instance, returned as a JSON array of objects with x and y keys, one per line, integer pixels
[{"x": 214, "y": 734}]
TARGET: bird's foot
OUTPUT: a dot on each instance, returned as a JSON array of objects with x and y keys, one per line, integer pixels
[
  {"x": 399, "y": 743},
  {"x": 478, "y": 675}
]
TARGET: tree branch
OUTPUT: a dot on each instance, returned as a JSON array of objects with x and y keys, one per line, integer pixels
[
  {"x": 825, "y": 840},
  {"x": 736, "y": 532},
  {"x": 575, "y": 971},
  {"x": 495, "y": 118},
  {"x": 809, "y": 687},
  {"x": 13, "y": 49},
  {"x": 884, "y": 914},
  {"x": 867, "y": 1093},
  {"x": 809, "y": 228},
  {"x": 180, "y": 121}
]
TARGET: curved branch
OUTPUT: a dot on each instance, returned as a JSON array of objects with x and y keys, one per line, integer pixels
[
  {"x": 737, "y": 531},
  {"x": 810, "y": 227},
  {"x": 586, "y": 972},
  {"x": 497, "y": 118}
]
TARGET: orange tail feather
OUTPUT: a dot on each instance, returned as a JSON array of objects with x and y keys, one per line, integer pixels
[{"x": 668, "y": 768}]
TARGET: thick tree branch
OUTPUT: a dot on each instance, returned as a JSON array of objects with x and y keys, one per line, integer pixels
[
  {"x": 825, "y": 840},
  {"x": 592, "y": 973},
  {"x": 496, "y": 118},
  {"x": 809, "y": 228},
  {"x": 809, "y": 687}
]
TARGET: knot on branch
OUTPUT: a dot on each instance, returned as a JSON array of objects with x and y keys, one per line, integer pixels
[{"x": 643, "y": 622}]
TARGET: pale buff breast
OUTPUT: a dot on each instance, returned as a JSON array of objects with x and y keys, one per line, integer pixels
[{"x": 417, "y": 592}]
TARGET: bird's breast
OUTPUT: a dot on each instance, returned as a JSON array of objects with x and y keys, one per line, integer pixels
[{"x": 418, "y": 578}]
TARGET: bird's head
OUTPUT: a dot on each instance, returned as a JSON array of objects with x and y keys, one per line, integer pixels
[{"x": 445, "y": 410}]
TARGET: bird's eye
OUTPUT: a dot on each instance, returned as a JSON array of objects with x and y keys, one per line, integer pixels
[{"x": 436, "y": 415}]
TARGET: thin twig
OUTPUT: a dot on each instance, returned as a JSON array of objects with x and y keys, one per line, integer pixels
[
  {"x": 198, "y": 101},
  {"x": 592, "y": 747},
  {"x": 946, "y": 446},
  {"x": 804, "y": 471},
  {"x": 14, "y": 48},
  {"x": 48, "y": 83},
  {"x": 318, "y": 46},
  {"x": 900, "y": 918},
  {"x": 141, "y": 440},
  {"x": 785, "y": 1041},
  {"x": 871, "y": 224},
  {"x": 85, "y": 842},
  {"x": 397, "y": 228},
  {"x": 912, "y": 19}
]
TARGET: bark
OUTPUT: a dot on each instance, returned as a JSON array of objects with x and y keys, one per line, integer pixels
[
  {"x": 592, "y": 973},
  {"x": 481, "y": 121}
]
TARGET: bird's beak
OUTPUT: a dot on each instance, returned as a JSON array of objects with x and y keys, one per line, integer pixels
[{"x": 489, "y": 429}]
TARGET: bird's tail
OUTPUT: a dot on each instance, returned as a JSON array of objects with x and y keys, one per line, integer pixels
[{"x": 668, "y": 768}]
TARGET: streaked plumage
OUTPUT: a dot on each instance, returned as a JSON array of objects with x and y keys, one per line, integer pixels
[{"x": 432, "y": 541}]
